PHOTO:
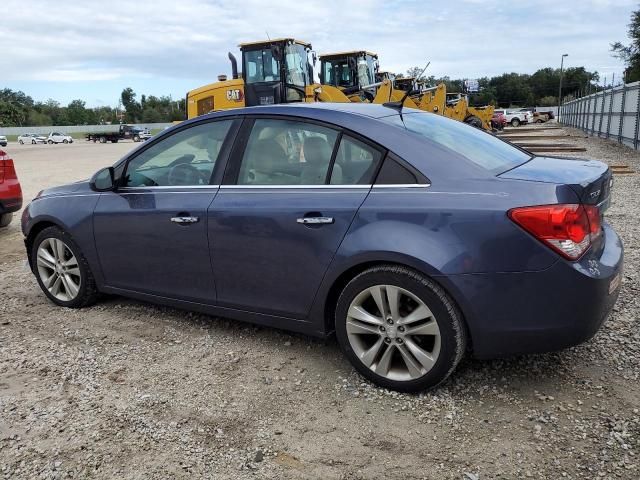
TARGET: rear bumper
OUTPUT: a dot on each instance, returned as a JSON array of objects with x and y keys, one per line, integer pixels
[
  {"x": 9, "y": 205},
  {"x": 534, "y": 312}
]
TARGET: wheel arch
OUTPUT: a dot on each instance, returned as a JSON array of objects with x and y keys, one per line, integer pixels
[
  {"x": 393, "y": 259},
  {"x": 33, "y": 232}
]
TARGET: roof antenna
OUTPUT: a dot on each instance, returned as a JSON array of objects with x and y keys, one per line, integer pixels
[
  {"x": 268, "y": 37},
  {"x": 399, "y": 104}
]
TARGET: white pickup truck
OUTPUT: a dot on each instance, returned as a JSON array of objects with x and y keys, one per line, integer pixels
[{"x": 515, "y": 117}]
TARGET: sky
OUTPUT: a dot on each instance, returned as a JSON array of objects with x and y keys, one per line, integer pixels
[{"x": 91, "y": 50}]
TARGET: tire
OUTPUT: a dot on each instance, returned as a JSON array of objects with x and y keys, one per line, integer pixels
[
  {"x": 136, "y": 138},
  {"x": 21, "y": 142},
  {"x": 33, "y": 142},
  {"x": 473, "y": 121},
  {"x": 446, "y": 341},
  {"x": 115, "y": 140},
  {"x": 82, "y": 277},
  {"x": 515, "y": 122},
  {"x": 50, "y": 142},
  {"x": 103, "y": 139},
  {"x": 65, "y": 141},
  {"x": 5, "y": 219}
]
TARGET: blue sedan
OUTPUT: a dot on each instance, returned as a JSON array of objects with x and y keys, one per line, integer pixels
[{"x": 415, "y": 238}]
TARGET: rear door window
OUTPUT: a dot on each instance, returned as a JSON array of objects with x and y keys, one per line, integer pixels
[
  {"x": 287, "y": 152},
  {"x": 355, "y": 163}
]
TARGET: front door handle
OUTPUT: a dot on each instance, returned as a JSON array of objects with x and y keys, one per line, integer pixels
[
  {"x": 315, "y": 220},
  {"x": 185, "y": 220}
]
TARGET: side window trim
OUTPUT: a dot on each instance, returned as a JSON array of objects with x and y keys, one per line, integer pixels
[
  {"x": 334, "y": 154},
  {"x": 222, "y": 158}
]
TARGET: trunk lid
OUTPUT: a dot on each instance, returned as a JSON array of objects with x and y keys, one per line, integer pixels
[{"x": 591, "y": 180}]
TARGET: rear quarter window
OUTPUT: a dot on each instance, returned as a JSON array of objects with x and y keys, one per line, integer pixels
[{"x": 477, "y": 146}]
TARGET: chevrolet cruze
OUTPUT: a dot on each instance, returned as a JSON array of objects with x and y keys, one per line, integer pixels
[{"x": 415, "y": 238}]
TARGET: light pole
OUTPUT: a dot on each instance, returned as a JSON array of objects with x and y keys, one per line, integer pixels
[{"x": 560, "y": 87}]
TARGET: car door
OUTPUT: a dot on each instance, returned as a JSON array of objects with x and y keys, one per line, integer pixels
[
  {"x": 151, "y": 234},
  {"x": 290, "y": 193}
]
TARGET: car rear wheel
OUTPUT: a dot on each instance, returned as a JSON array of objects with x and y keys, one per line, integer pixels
[
  {"x": 5, "y": 219},
  {"x": 21, "y": 142},
  {"x": 515, "y": 122},
  {"x": 65, "y": 141},
  {"x": 61, "y": 270},
  {"x": 50, "y": 142},
  {"x": 399, "y": 329}
]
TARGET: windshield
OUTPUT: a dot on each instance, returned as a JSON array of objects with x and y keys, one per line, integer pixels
[
  {"x": 337, "y": 72},
  {"x": 475, "y": 145},
  {"x": 297, "y": 71},
  {"x": 261, "y": 66}
]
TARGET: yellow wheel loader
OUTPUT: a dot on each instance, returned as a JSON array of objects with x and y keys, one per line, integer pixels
[{"x": 273, "y": 71}]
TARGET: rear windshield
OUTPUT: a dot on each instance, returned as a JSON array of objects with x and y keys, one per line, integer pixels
[{"x": 473, "y": 144}]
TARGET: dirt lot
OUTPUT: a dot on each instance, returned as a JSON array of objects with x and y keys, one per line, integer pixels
[{"x": 129, "y": 390}]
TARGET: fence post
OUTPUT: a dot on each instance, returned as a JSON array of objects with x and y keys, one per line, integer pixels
[
  {"x": 624, "y": 95},
  {"x": 637, "y": 126},
  {"x": 593, "y": 118},
  {"x": 610, "y": 111},
  {"x": 604, "y": 96}
]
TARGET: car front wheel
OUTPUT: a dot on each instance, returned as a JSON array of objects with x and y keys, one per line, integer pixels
[
  {"x": 21, "y": 142},
  {"x": 515, "y": 122},
  {"x": 61, "y": 270},
  {"x": 399, "y": 329}
]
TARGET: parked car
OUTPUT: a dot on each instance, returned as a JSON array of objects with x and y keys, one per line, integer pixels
[
  {"x": 413, "y": 236},
  {"x": 31, "y": 138},
  {"x": 10, "y": 191},
  {"x": 3, "y": 141},
  {"x": 515, "y": 117},
  {"x": 498, "y": 121},
  {"x": 56, "y": 137}
]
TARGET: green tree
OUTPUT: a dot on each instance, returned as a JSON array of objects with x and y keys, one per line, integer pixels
[
  {"x": 630, "y": 54},
  {"x": 131, "y": 106},
  {"x": 77, "y": 113}
]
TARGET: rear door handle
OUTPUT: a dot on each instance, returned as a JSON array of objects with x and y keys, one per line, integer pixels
[
  {"x": 185, "y": 220},
  {"x": 315, "y": 220}
]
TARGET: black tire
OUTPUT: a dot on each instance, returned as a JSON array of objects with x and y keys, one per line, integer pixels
[
  {"x": 515, "y": 122},
  {"x": 473, "y": 121},
  {"x": 65, "y": 141},
  {"x": 33, "y": 142},
  {"x": 21, "y": 142},
  {"x": 136, "y": 138},
  {"x": 87, "y": 293},
  {"x": 115, "y": 140},
  {"x": 5, "y": 219},
  {"x": 453, "y": 335},
  {"x": 103, "y": 139},
  {"x": 50, "y": 142}
]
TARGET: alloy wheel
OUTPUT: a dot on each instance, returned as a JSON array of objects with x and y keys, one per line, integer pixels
[
  {"x": 393, "y": 332},
  {"x": 58, "y": 269}
]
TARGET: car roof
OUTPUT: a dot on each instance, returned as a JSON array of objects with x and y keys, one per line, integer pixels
[{"x": 372, "y": 110}]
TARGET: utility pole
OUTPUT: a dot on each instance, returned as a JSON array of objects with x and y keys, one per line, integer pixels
[{"x": 560, "y": 87}]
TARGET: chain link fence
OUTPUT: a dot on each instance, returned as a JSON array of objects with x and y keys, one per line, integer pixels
[{"x": 613, "y": 113}]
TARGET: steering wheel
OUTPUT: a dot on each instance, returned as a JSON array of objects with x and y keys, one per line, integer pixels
[{"x": 185, "y": 174}]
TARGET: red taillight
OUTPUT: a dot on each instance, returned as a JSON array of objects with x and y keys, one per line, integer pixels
[{"x": 567, "y": 228}]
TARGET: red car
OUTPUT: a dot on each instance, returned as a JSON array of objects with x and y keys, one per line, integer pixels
[
  {"x": 498, "y": 121},
  {"x": 10, "y": 191}
]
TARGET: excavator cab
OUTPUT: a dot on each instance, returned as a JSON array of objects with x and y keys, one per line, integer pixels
[
  {"x": 350, "y": 71},
  {"x": 275, "y": 71}
]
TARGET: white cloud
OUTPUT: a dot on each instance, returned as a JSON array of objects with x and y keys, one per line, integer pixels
[{"x": 77, "y": 41}]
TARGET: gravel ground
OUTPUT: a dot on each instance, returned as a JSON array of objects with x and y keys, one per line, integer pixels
[{"x": 130, "y": 390}]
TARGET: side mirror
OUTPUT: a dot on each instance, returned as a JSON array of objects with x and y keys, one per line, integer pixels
[{"x": 103, "y": 180}]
